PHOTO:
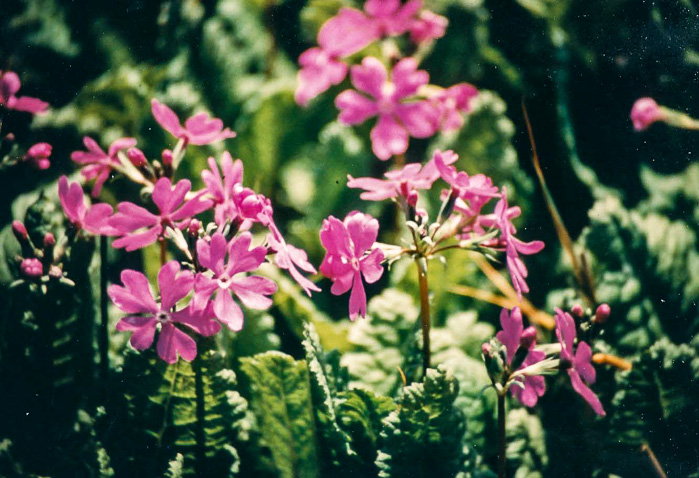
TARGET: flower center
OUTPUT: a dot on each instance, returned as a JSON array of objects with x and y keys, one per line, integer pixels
[
  {"x": 162, "y": 317},
  {"x": 224, "y": 282},
  {"x": 386, "y": 102}
]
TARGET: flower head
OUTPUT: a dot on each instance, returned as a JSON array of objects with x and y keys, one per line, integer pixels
[
  {"x": 9, "y": 86},
  {"x": 452, "y": 102},
  {"x": 386, "y": 98},
  {"x": 645, "y": 112},
  {"x": 145, "y": 314},
  {"x": 578, "y": 360},
  {"x": 31, "y": 268},
  {"x": 140, "y": 227},
  {"x": 97, "y": 164},
  {"x": 199, "y": 129},
  {"x": 38, "y": 156},
  {"x": 226, "y": 278},
  {"x": 93, "y": 219},
  {"x": 347, "y": 260}
]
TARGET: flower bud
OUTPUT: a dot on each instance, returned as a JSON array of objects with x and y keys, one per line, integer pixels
[
  {"x": 167, "y": 157},
  {"x": 49, "y": 240},
  {"x": 602, "y": 313},
  {"x": 38, "y": 155},
  {"x": 9, "y": 137},
  {"x": 136, "y": 157},
  {"x": 31, "y": 268},
  {"x": 20, "y": 231},
  {"x": 645, "y": 112},
  {"x": 577, "y": 311},
  {"x": 193, "y": 227},
  {"x": 55, "y": 272},
  {"x": 412, "y": 198}
]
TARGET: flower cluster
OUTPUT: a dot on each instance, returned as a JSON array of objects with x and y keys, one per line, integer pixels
[{"x": 402, "y": 100}]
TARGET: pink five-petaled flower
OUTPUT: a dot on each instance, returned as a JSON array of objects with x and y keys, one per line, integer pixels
[
  {"x": 199, "y": 129},
  {"x": 451, "y": 103},
  {"x": 252, "y": 291},
  {"x": 475, "y": 190},
  {"x": 9, "y": 86},
  {"x": 578, "y": 361},
  {"x": 502, "y": 218},
  {"x": 346, "y": 259},
  {"x": 175, "y": 211},
  {"x": 289, "y": 257},
  {"x": 513, "y": 336},
  {"x": 38, "y": 156},
  {"x": 98, "y": 164},
  {"x": 645, "y": 112},
  {"x": 399, "y": 182},
  {"x": 397, "y": 119},
  {"x": 136, "y": 299},
  {"x": 93, "y": 219}
]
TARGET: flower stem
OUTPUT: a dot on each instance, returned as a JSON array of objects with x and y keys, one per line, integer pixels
[
  {"x": 104, "y": 316},
  {"x": 502, "y": 437},
  {"x": 163, "y": 252},
  {"x": 421, "y": 264}
]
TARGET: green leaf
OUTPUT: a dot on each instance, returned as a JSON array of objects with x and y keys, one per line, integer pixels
[{"x": 280, "y": 397}]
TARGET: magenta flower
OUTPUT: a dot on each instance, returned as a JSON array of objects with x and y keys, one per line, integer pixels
[
  {"x": 452, "y": 102},
  {"x": 427, "y": 27},
  {"x": 31, "y": 268},
  {"x": 645, "y": 112},
  {"x": 98, "y": 164},
  {"x": 93, "y": 219},
  {"x": 199, "y": 129},
  {"x": 9, "y": 86},
  {"x": 397, "y": 119},
  {"x": 289, "y": 258},
  {"x": 502, "y": 219},
  {"x": 347, "y": 260},
  {"x": 513, "y": 336},
  {"x": 391, "y": 18},
  {"x": 223, "y": 283},
  {"x": 399, "y": 182},
  {"x": 475, "y": 190},
  {"x": 38, "y": 156},
  {"x": 145, "y": 314},
  {"x": 577, "y": 361},
  {"x": 139, "y": 227}
]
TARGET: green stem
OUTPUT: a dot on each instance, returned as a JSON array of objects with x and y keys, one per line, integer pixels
[
  {"x": 425, "y": 320},
  {"x": 502, "y": 437},
  {"x": 103, "y": 337}
]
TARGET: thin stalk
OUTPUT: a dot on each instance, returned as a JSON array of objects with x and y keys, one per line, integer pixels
[
  {"x": 163, "y": 252},
  {"x": 657, "y": 467},
  {"x": 424, "y": 312},
  {"x": 502, "y": 437},
  {"x": 103, "y": 337}
]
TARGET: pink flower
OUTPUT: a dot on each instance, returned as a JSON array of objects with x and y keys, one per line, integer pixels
[
  {"x": 577, "y": 361},
  {"x": 9, "y": 86},
  {"x": 397, "y": 119},
  {"x": 390, "y": 17},
  {"x": 31, "y": 268},
  {"x": 427, "y": 27},
  {"x": 99, "y": 164},
  {"x": 347, "y": 260},
  {"x": 175, "y": 211},
  {"x": 513, "y": 336},
  {"x": 400, "y": 182},
  {"x": 199, "y": 129},
  {"x": 93, "y": 219},
  {"x": 476, "y": 190},
  {"x": 502, "y": 219},
  {"x": 250, "y": 290},
  {"x": 452, "y": 102},
  {"x": 645, "y": 112},
  {"x": 145, "y": 314},
  {"x": 38, "y": 156},
  {"x": 289, "y": 257}
]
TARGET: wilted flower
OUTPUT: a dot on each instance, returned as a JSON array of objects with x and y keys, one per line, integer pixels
[
  {"x": 98, "y": 164},
  {"x": 145, "y": 314},
  {"x": 9, "y": 86},
  {"x": 577, "y": 360},
  {"x": 93, "y": 219},
  {"x": 346, "y": 260},
  {"x": 199, "y": 129},
  {"x": 645, "y": 112},
  {"x": 38, "y": 156}
]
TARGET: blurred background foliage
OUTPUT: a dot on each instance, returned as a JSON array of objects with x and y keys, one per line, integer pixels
[{"x": 301, "y": 391}]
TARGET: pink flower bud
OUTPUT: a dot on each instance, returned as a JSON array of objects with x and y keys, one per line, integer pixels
[
  {"x": 487, "y": 349},
  {"x": 194, "y": 226},
  {"x": 412, "y": 198},
  {"x": 602, "y": 313},
  {"x": 136, "y": 157},
  {"x": 49, "y": 240},
  {"x": 38, "y": 155},
  {"x": 645, "y": 111},
  {"x": 577, "y": 311},
  {"x": 31, "y": 268},
  {"x": 20, "y": 231},
  {"x": 55, "y": 272},
  {"x": 167, "y": 157},
  {"x": 9, "y": 137}
]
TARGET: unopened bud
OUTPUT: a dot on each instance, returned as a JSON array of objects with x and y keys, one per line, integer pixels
[
  {"x": 55, "y": 272},
  {"x": 49, "y": 240},
  {"x": 602, "y": 313},
  {"x": 20, "y": 231},
  {"x": 577, "y": 311},
  {"x": 487, "y": 349},
  {"x": 31, "y": 268},
  {"x": 9, "y": 137},
  {"x": 167, "y": 157},
  {"x": 412, "y": 198},
  {"x": 193, "y": 228},
  {"x": 136, "y": 157}
]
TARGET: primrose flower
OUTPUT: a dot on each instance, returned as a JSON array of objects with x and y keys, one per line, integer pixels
[
  {"x": 513, "y": 336},
  {"x": 347, "y": 260},
  {"x": 427, "y": 26},
  {"x": 9, "y": 86},
  {"x": 199, "y": 129},
  {"x": 98, "y": 164},
  {"x": 38, "y": 156},
  {"x": 452, "y": 102},
  {"x": 145, "y": 314},
  {"x": 175, "y": 211},
  {"x": 475, "y": 190},
  {"x": 93, "y": 219},
  {"x": 397, "y": 119},
  {"x": 222, "y": 282},
  {"x": 577, "y": 360},
  {"x": 399, "y": 182},
  {"x": 289, "y": 258},
  {"x": 645, "y": 112}
]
